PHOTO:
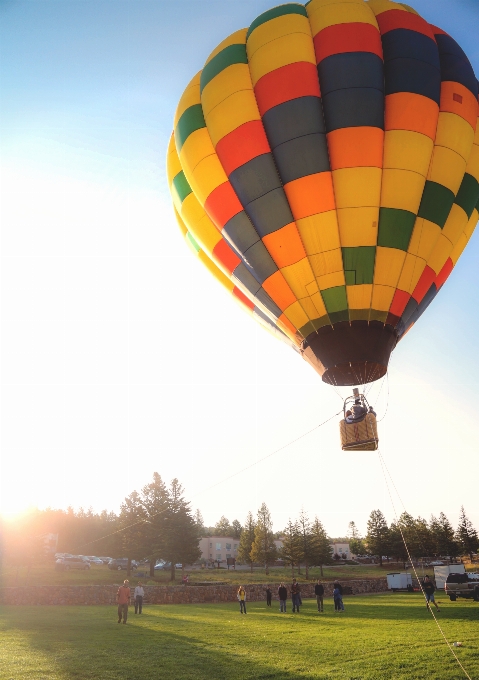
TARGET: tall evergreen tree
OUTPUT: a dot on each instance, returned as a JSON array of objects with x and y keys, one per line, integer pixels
[
  {"x": 223, "y": 527},
  {"x": 246, "y": 541},
  {"x": 132, "y": 537},
  {"x": 448, "y": 544},
  {"x": 322, "y": 551},
  {"x": 396, "y": 547},
  {"x": 356, "y": 543},
  {"x": 307, "y": 543},
  {"x": 181, "y": 531},
  {"x": 156, "y": 504},
  {"x": 378, "y": 534},
  {"x": 466, "y": 534},
  {"x": 237, "y": 528},
  {"x": 264, "y": 548},
  {"x": 292, "y": 550}
]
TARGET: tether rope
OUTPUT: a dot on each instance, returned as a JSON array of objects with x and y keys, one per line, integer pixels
[{"x": 384, "y": 469}]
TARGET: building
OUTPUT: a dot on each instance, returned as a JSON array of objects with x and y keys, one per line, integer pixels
[
  {"x": 340, "y": 548},
  {"x": 218, "y": 548}
]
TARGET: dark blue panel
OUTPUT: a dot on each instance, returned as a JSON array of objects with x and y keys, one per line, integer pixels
[
  {"x": 270, "y": 212},
  {"x": 240, "y": 232},
  {"x": 353, "y": 108},
  {"x": 350, "y": 69},
  {"x": 267, "y": 302},
  {"x": 410, "y": 75},
  {"x": 241, "y": 273},
  {"x": 255, "y": 178},
  {"x": 417, "y": 311},
  {"x": 457, "y": 68},
  {"x": 295, "y": 118},
  {"x": 403, "y": 43},
  {"x": 259, "y": 262},
  {"x": 302, "y": 156}
]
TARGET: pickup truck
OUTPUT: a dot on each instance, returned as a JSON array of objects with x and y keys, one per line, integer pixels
[{"x": 462, "y": 585}]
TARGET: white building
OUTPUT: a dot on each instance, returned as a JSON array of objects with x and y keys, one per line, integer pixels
[{"x": 218, "y": 548}]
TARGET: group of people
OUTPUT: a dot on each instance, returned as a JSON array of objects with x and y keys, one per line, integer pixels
[
  {"x": 358, "y": 412},
  {"x": 123, "y": 598},
  {"x": 296, "y": 597}
]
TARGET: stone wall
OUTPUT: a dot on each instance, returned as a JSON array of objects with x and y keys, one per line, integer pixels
[{"x": 94, "y": 595}]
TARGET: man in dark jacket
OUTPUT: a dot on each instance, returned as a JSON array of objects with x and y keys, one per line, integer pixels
[
  {"x": 319, "y": 592},
  {"x": 295, "y": 595},
  {"x": 429, "y": 588},
  {"x": 282, "y": 594}
]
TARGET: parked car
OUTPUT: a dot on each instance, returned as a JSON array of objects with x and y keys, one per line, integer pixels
[
  {"x": 105, "y": 560},
  {"x": 161, "y": 564},
  {"x": 73, "y": 562},
  {"x": 121, "y": 563},
  {"x": 178, "y": 566},
  {"x": 462, "y": 585},
  {"x": 94, "y": 560},
  {"x": 436, "y": 563}
]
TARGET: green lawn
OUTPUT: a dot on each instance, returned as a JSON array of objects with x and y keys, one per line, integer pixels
[{"x": 378, "y": 637}]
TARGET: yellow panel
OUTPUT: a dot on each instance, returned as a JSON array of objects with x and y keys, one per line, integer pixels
[
  {"x": 358, "y": 226},
  {"x": 455, "y": 224},
  {"x": 237, "y": 38},
  {"x": 402, "y": 189},
  {"x": 207, "y": 175},
  {"x": 439, "y": 255},
  {"x": 319, "y": 304},
  {"x": 197, "y": 146},
  {"x": 388, "y": 266},
  {"x": 407, "y": 150},
  {"x": 190, "y": 96},
  {"x": 286, "y": 50},
  {"x": 232, "y": 79},
  {"x": 464, "y": 239},
  {"x": 237, "y": 109},
  {"x": 321, "y": 16},
  {"x": 476, "y": 136},
  {"x": 276, "y": 28},
  {"x": 424, "y": 237},
  {"x": 473, "y": 163},
  {"x": 309, "y": 307},
  {"x": 382, "y": 297},
  {"x": 326, "y": 263},
  {"x": 447, "y": 168},
  {"x": 298, "y": 276},
  {"x": 191, "y": 211},
  {"x": 380, "y": 6},
  {"x": 357, "y": 187},
  {"x": 206, "y": 234},
  {"x": 181, "y": 224},
  {"x": 455, "y": 133},
  {"x": 218, "y": 274},
  {"x": 296, "y": 314},
  {"x": 173, "y": 165},
  {"x": 331, "y": 280},
  {"x": 319, "y": 232},
  {"x": 359, "y": 297},
  {"x": 312, "y": 288},
  {"x": 411, "y": 273}
]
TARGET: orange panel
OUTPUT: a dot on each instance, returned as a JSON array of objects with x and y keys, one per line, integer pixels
[
  {"x": 279, "y": 291},
  {"x": 285, "y": 245},
  {"x": 455, "y": 98},
  {"x": 355, "y": 147},
  {"x": 407, "y": 111},
  {"x": 310, "y": 195},
  {"x": 286, "y": 322}
]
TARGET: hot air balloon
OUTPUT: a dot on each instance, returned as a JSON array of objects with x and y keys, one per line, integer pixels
[{"x": 325, "y": 166}]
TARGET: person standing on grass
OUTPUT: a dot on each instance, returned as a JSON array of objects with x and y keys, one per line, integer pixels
[
  {"x": 268, "y": 596},
  {"x": 340, "y": 588},
  {"x": 429, "y": 588},
  {"x": 241, "y": 595},
  {"x": 319, "y": 592},
  {"x": 282, "y": 594},
  {"x": 295, "y": 595},
  {"x": 338, "y": 605},
  {"x": 139, "y": 595},
  {"x": 123, "y": 599}
]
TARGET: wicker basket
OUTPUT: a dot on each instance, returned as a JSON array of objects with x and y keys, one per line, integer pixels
[{"x": 362, "y": 436}]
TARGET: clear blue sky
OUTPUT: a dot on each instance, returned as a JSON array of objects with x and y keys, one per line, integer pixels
[{"x": 100, "y": 299}]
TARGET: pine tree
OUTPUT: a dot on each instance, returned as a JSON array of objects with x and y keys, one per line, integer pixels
[
  {"x": 377, "y": 536},
  {"x": 466, "y": 534},
  {"x": 304, "y": 525},
  {"x": 396, "y": 544},
  {"x": 133, "y": 536},
  {"x": 200, "y": 523},
  {"x": 356, "y": 543},
  {"x": 264, "y": 548},
  {"x": 223, "y": 527},
  {"x": 156, "y": 504},
  {"x": 237, "y": 528},
  {"x": 181, "y": 531},
  {"x": 246, "y": 541},
  {"x": 448, "y": 544},
  {"x": 322, "y": 552},
  {"x": 292, "y": 551}
]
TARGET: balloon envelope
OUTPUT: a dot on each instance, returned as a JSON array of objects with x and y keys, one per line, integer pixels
[{"x": 326, "y": 162}]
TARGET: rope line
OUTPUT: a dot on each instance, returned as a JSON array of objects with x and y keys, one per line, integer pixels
[{"x": 384, "y": 468}]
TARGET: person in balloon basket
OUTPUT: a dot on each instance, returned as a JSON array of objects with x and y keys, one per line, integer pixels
[
  {"x": 319, "y": 592},
  {"x": 283, "y": 595},
  {"x": 429, "y": 588},
  {"x": 241, "y": 595},
  {"x": 295, "y": 595},
  {"x": 123, "y": 600},
  {"x": 139, "y": 595}
]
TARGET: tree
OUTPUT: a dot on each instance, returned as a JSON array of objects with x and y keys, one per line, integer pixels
[
  {"x": 223, "y": 527},
  {"x": 264, "y": 548},
  {"x": 466, "y": 534},
  {"x": 182, "y": 538},
  {"x": 237, "y": 528},
  {"x": 292, "y": 550},
  {"x": 321, "y": 545},
  {"x": 246, "y": 541},
  {"x": 448, "y": 544},
  {"x": 200, "y": 524},
  {"x": 377, "y": 536},
  {"x": 131, "y": 537},
  {"x": 397, "y": 549},
  {"x": 307, "y": 547},
  {"x": 356, "y": 543},
  {"x": 156, "y": 504}
]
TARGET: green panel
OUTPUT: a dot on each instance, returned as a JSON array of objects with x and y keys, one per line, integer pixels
[
  {"x": 274, "y": 13},
  {"x": 359, "y": 314},
  {"x": 181, "y": 185},
  {"x": 336, "y": 317},
  {"x": 233, "y": 54},
  {"x": 395, "y": 228},
  {"x": 436, "y": 203},
  {"x": 192, "y": 119},
  {"x": 359, "y": 264},
  {"x": 468, "y": 194},
  {"x": 376, "y": 315},
  {"x": 335, "y": 299},
  {"x": 193, "y": 242}
]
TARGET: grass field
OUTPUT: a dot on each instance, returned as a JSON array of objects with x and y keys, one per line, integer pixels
[{"x": 378, "y": 637}]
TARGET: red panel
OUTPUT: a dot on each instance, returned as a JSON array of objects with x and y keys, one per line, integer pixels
[
  {"x": 424, "y": 283},
  {"x": 441, "y": 278},
  {"x": 222, "y": 204},
  {"x": 242, "y": 145},
  {"x": 226, "y": 255},
  {"x": 286, "y": 83},
  {"x": 353, "y": 37},
  {"x": 396, "y": 18},
  {"x": 437, "y": 31},
  {"x": 241, "y": 296},
  {"x": 400, "y": 300},
  {"x": 393, "y": 320}
]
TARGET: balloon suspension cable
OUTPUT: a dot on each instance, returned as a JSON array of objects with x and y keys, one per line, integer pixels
[
  {"x": 212, "y": 486},
  {"x": 384, "y": 470}
]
